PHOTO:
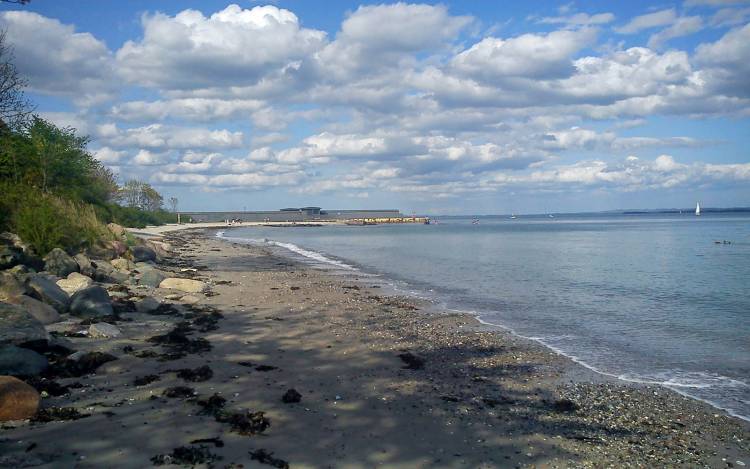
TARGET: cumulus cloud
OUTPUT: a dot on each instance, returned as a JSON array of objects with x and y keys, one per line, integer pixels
[
  {"x": 579, "y": 19},
  {"x": 232, "y": 47},
  {"x": 161, "y": 137},
  {"x": 57, "y": 60},
  {"x": 531, "y": 55},
  {"x": 191, "y": 109}
]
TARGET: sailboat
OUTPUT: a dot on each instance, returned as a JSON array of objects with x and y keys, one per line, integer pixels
[{"x": 697, "y": 209}]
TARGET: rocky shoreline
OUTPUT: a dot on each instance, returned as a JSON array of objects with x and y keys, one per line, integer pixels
[{"x": 194, "y": 352}]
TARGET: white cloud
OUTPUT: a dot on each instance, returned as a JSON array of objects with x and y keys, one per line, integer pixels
[
  {"x": 580, "y": 19},
  {"x": 233, "y": 47},
  {"x": 57, "y": 60},
  {"x": 648, "y": 21},
  {"x": 108, "y": 156},
  {"x": 161, "y": 137},
  {"x": 531, "y": 55},
  {"x": 191, "y": 109},
  {"x": 683, "y": 26},
  {"x": 148, "y": 158}
]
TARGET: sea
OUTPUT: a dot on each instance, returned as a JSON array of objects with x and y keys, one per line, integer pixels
[{"x": 648, "y": 298}]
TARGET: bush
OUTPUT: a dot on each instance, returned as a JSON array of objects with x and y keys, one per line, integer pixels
[{"x": 47, "y": 221}]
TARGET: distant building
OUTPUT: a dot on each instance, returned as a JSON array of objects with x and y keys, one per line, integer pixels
[{"x": 292, "y": 214}]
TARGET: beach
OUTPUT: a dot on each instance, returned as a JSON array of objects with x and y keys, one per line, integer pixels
[{"x": 379, "y": 380}]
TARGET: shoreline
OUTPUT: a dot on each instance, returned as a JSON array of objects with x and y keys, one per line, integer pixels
[
  {"x": 325, "y": 258},
  {"x": 382, "y": 383}
]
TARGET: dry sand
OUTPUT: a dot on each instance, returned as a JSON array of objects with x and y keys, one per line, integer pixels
[{"x": 483, "y": 398}]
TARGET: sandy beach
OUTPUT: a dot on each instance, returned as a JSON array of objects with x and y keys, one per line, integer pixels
[{"x": 327, "y": 371}]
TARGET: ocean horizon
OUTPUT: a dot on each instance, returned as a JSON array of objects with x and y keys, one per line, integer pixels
[{"x": 657, "y": 298}]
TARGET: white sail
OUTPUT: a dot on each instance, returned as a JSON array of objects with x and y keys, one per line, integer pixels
[{"x": 697, "y": 208}]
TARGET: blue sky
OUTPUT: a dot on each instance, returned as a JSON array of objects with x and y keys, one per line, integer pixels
[{"x": 463, "y": 107}]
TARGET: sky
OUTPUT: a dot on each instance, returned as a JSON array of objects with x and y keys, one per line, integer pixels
[{"x": 431, "y": 108}]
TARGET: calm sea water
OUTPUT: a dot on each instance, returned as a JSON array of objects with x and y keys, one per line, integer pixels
[{"x": 648, "y": 298}]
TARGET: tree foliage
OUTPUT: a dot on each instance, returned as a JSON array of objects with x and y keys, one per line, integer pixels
[{"x": 14, "y": 107}]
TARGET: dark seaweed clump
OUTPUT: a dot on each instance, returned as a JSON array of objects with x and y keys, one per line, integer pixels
[
  {"x": 52, "y": 414},
  {"x": 179, "y": 392},
  {"x": 412, "y": 361},
  {"x": 266, "y": 457},
  {"x": 144, "y": 380},
  {"x": 247, "y": 423},
  {"x": 186, "y": 455},
  {"x": 197, "y": 375},
  {"x": 212, "y": 406}
]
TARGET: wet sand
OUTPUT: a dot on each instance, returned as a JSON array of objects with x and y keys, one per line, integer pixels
[{"x": 383, "y": 383}]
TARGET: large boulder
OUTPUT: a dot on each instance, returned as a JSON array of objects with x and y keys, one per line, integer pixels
[
  {"x": 59, "y": 263},
  {"x": 44, "y": 288},
  {"x": 84, "y": 265},
  {"x": 101, "y": 250},
  {"x": 18, "y": 400},
  {"x": 150, "y": 277},
  {"x": 74, "y": 283},
  {"x": 183, "y": 284},
  {"x": 18, "y": 326},
  {"x": 122, "y": 264},
  {"x": 143, "y": 254},
  {"x": 13, "y": 251},
  {"x": 90, "y": 302},
  {"x": 10, "y": 286},
  {"x": 17, "y": 361},
  {"x": 43, "y": 312}
]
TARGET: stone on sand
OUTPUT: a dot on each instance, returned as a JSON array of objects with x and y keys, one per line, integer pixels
[
  {"x": 18, "y": 326},
  {"x": 147, "y": 305},
  {"x": 18, "y": 400},
  {"x": 73, "y": 283},
  {"x": 183, "y": 284},
  {"x": 19, "y": 361},
  {"x": 116, "y": 229},
  {"x": 45, "y": 289},
  {"x": 10, "y": 286},
  {"x": 190, "y": 299},
  {"x": 59, "y": 263},
  {"x": 84, "y": 265},
  {"x": 150, "y": 276},
  {"x": 143, "y": 254},
  {"x": 122, "y": 264},
  {"x": 43, "y": 312},
  {"x": 104, "y": 330},
  {"x": 92, "y": 301}
]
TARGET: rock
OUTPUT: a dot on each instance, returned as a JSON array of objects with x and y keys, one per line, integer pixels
[
  {"x": 161, "y": 248},
  {"x": 43, "y": 312},
  {"x": 143, "y": 254},
  {"x": 17, "y": 361},
  {"x": 150, "y": 277},
  {"x": 189, "y": 299},
  {"x": 43, "y": 287},
  {"x": 119, "y": 247},
  {"x": 117, "y": 276},
  {"x": 18, "y": 400},
  {"x": 101, "y": 251},
  {"x": 91, "y": 302},
  {"x": 73, "y": 283},
  {"x": 183, "y": 284},
  {"x": 84, "y": 363},
  {"x": 173, "y": 296},
  {"x": 116, "y": 229},
  {"x": 122, "y": 365},
  {"x": 10, "y": 252},
  {"x": 18, "y": 326},
  {"x": 291, "y": 396},
  {"x": 84, "y": 265},
  {"x": 147, "y": 305},
  {"x": 10, "y": 286},
  {"x": 103, "y": 330},
  {"x": 122, "y": 264},
  {"x": 59, "y": 263}
]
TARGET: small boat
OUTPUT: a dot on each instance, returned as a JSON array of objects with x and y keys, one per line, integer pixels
[
  {"x": 551, "y": 216},
  {"x": 426, "y": 221},
  {"x": 512, "y": 217},
  {"x": 475, "y": 221},
  {"x": 697, "y": 209}
]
